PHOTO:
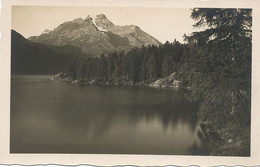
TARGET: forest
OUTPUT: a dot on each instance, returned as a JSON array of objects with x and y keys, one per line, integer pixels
[
  {"x": 215, "y": 63},
  {"x": 143, "y": 65}
]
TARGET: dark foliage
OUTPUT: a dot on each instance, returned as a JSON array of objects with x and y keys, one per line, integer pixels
[
  {"x": 144, "y": 65},
  {"x": 219, "y": 72}
]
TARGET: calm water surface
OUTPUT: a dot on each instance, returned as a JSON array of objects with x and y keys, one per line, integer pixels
[{"x": 57, "y": 117}]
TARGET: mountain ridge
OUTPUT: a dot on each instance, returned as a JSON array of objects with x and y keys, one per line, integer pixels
[{"x": 96, "y": 35}]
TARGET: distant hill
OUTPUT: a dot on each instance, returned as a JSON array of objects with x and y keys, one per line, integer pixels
[
  {"x": 28, "y": 57},
  {"x": 96, "y": 35}
]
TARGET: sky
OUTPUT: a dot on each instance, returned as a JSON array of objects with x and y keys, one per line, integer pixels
[{"x": 165, "y": 24}]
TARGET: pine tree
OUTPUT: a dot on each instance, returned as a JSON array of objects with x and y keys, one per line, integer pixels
[
  {"x": 81, "y": 70},
  {"x": 219, "y": 70},
  {"x": 152, "y": 67},
  {"x": 102, "y": 68},
  {"x": 71, "y": 70},
  {"x": 167, "y": 65}
]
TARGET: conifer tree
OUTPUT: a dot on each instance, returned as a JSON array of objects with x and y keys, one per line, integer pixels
[{"x": 219, "y": 71}]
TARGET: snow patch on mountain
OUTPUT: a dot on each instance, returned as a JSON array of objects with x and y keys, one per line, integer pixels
[{"x": 98, "y": 27}]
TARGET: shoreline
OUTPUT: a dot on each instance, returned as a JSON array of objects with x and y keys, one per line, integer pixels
[{"x": 164, "y": 82}]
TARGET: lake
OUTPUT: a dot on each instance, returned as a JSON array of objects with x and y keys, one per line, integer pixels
[{"x": 58, "y": 117}]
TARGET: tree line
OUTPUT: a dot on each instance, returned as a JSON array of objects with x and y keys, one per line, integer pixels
[{"x": 144, "y": 64}]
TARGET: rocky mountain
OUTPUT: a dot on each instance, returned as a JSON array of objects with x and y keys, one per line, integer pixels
[
  {"x": 96, "y": 35},
  {"x": 28, "y": 57}
]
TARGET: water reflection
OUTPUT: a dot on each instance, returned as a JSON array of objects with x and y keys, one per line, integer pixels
[{"x": 55, "y": 117}]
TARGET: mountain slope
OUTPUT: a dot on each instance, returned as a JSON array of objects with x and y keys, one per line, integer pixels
[
  {"x": 96, "y": 36},
  {"x": 28, "y": 57},
  {"x": 134, "y": 34}
]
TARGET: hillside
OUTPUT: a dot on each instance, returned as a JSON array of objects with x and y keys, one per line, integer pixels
[{"x": 28, "y": 57}]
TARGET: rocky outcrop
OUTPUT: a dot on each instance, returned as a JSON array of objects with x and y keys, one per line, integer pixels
[
  {"x": 61, "y": 77},
  {"x": 167, "y": 82}
]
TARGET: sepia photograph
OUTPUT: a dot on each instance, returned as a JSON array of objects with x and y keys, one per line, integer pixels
[
  {"x": 112, "y": 83},
  {"x": 131, "y": 80}
]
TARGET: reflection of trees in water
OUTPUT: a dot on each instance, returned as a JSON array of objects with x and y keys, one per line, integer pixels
[
  {"x": 169, "y": 111},
  {"x": 138, "y": 104}
]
